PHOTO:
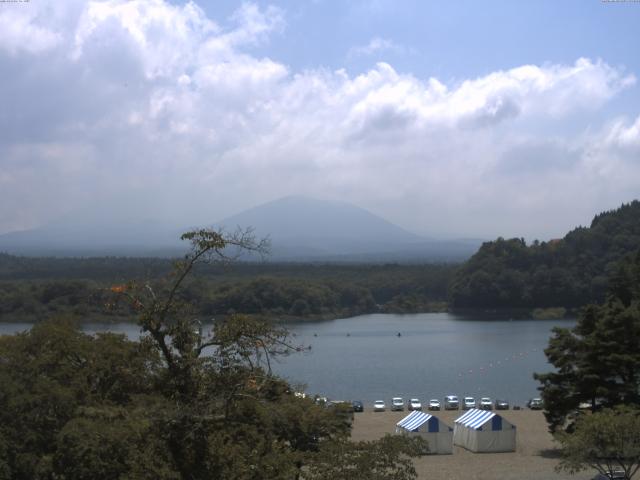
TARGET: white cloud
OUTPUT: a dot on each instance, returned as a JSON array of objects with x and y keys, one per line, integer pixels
[
  {"x": 613, "y": 156},
  {"x": 623, "y": 136},
  {"x": 376, "y": 45},
  {"x": 255, "y": 25},
  {"x": 163, "y": 109},
  {"x": 23, "y": 29},
  {"x": 163, "y": 36}
]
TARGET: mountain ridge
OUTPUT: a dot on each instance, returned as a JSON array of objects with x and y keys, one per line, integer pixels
[
  {"x": 300, "y": 228},
  {"x": 308, "y": 217}
]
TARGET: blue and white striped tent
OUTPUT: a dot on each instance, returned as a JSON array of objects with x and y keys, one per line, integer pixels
[
  {"x": 438, "y": 435},
  {"x": 484, "y": 431}
]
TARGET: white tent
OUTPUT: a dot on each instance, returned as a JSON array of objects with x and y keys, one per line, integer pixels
[
  {"x": 484, "y": 431},
  {"x": 438, "y": 435}
]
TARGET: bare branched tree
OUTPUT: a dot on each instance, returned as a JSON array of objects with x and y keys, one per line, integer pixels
[{"x": 233, "y": 342}]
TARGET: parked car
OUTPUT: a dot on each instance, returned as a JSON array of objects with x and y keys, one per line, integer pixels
[
  {"x": 414, "y": 404},
  {"x": 397, "y": 404},
  {"x": 434, "y": 404},
  {"x": 451, "y": 402},
  {"x": 468, "y": 403},
  {"x": 535, "y": 404},
  {"x": 485, "y": 404},
  {"x": 615, "y": 475},
  {"x": 502, "y": 404},
  {"x": 357, "y": 406},
  {"x": 379, "y": 406}
]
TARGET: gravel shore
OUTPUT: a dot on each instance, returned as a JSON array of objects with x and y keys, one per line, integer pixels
[{"x": 534, "y": 459}]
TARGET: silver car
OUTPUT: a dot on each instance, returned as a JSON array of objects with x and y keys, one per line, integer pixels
[
  {"x": 451, "y": 402},
  {"x": 468, "y": 403},
  {"x": 536, "y": 404},
  {"x": 397, "y": 404},
  {"x": 379, "y": 406}
]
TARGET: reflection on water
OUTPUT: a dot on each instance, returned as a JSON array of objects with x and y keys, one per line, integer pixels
[{"x": 436, "y": 354}]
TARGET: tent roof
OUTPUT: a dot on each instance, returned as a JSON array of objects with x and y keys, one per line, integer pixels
[
  {"x": 414, "y": 420},
  {"x": 475, "y": 418}
]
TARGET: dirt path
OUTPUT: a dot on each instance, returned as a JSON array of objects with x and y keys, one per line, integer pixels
[{"x": 534, "y": 459}]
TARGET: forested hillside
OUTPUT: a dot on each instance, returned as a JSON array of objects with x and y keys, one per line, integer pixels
[
  {"x": 568, "y": 272},
  {"x": 35, "y": 288}
]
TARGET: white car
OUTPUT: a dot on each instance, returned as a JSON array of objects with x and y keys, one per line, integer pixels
[
  {"x": 414, "y": 404},
  {"x": 537, "y": 404},
  {"x": 451, "y": 402},
  {"x": 485, "y": 403},
  {"x": 379, "y": 406},
  {"x": 468, "y": 403},
  {"x": 397, "y": 404},
  {"x": 434, "y": 404}
]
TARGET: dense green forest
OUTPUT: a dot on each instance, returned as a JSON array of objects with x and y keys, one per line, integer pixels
[
  {"x": 34, "y": 288},
  {"x": 568, "y": 272},
  {"x": 84, "y": 407}
]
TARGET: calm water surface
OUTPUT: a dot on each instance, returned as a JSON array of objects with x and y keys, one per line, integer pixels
[{"x": 435, "y": 355}]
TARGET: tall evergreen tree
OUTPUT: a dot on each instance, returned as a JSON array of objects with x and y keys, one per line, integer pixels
[{"x": 598, "y": 361}]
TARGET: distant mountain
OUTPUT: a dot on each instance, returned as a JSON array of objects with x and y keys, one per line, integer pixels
[
  {"x": 568, "y": 272},
  {"x": 300, "y": 228},
  {"x": 95, "y": 238},
  {"x": 308, "y": 219}
]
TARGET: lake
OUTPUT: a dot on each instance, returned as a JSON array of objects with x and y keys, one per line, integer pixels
[{"x": 435, "y": 355}]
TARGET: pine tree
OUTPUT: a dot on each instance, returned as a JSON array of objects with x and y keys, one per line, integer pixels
[{"x": 598, "y": 361}]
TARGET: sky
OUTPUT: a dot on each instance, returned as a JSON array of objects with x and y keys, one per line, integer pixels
[{"x": 451, "y": 119}]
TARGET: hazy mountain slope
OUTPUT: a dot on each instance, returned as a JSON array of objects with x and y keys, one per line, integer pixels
[
  {"x": 69, "y": 238},
  {"x": 300, "y": 228},
  {"x": 299, "y": 217},
  {"x": 304, "y": 228}
]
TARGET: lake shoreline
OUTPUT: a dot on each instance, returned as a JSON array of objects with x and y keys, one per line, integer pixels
[{"x": 499, "y": 314}]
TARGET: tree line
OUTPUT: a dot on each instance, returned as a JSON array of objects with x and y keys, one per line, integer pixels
[
  {"x": 506, "y": 273},
  {"x": 569, "y": 272},
  {"x": 39, "y": 288}
]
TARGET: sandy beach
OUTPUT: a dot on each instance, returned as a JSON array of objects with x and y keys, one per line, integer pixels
[{"x": 534, "y": 459}]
